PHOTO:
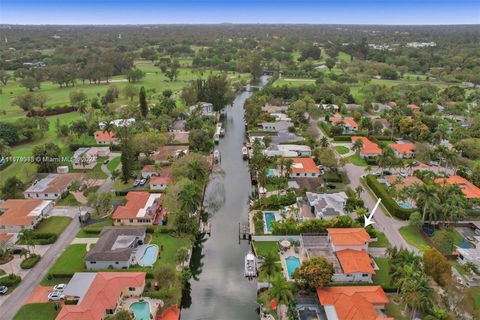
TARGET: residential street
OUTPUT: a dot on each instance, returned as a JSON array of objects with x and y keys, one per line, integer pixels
[
  {"x": 108, "y": 184},
  {"x": 10, "y": 304},
  {"x": 383, "y": 221}
]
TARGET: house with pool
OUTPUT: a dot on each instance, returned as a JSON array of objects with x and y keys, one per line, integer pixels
[
  {"x": 142, "y": 208},
  {"x": 119, "y": 248},
  {"x": 304, "y": 167},
  {"x": 325, "y": 205},
  {"x": 93, "y": 296},
  {"x": 346, "y": 249}
]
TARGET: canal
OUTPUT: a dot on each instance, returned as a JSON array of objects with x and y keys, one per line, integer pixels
[{"x": 219, "y": 290}]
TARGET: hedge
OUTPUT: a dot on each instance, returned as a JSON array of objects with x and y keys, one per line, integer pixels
[
  {"x": 342, "y": 138},
  {"x": 42, "y": 238},
  {"x": 10, "y": 281},
  {"x": 391, "y": 205},
  {"x": 30, "y": 262},
  {"x": 51, "y": 111},
  {"x": 472, "y": 213}
]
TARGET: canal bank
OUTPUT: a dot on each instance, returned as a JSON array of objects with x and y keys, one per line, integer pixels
[{"x": 218, "y": 289}]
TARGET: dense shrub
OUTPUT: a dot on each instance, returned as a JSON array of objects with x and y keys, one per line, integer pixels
[
  {"x": 275, "y": 202},
  {"x": 391, "y": 205},
  {"x": 10, "y": 281},
  {"x": 30, "y": 262},
  {"x": 291, "y": 227}
]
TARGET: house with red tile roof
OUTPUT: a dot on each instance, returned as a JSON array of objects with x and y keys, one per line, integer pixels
[
  {"x": 403, "y": 150},
  {"x": 142, "y": 208},
  {"x": 304, "y": 167},
  {"x": 349, "y": 125},
  {"x": 348, "y": 238},
  {"x": 105, "y": 137},
  {"x": 353, "y": 303},
  {"x": 413, "y": 107},
  {"x": 19, "y": 214},
  {"x": 98, "y": 295},
  {"x": 172, "y": 313},
  {"x": 369, "y": 150},
  {"x": 160, "y": 183},
  {"x": 470, "y": 190}
]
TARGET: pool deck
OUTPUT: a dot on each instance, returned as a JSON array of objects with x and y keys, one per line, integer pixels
[
  {"x": 154, "y": 304},
  {"x": 290, "y": 252},
  {"x": 278, "y": 217}
]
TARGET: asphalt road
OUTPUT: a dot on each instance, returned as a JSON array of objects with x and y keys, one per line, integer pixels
[{"x": 15, "y": 300}]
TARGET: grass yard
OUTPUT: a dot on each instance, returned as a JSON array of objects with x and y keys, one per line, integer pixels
[
  {"x": 357, "y": 160},
  {"x": 95, "y": 226},
  {"x": 382, "y": 276},
  {"x": 113, "y": 164},
  {"x": 264, "y": 247},
  {"x": 414, "y": 238},
  {"x": 342, "y": 149},
  {"x": 37, "y": 311},
  {"x": 69, "y": 262},
  {"x": 68, "y": 201},
  {"x": 293, "y": 82},
  {"x": 54, "y": 225},
  {"x": 170, "y": 246},
  {"x": 382, "y": 241},
  {"x": 475, "y": 291}
]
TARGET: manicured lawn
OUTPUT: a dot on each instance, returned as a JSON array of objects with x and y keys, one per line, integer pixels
[
  {"x": 414, "y": 238},
  {"x": 342, "y": 149},
  {"x": 37, "y": 311},
  {"x": 475, "y": 291},
  {"x": 291, "y": 82},
  {"x": 113, "y": 164},
  {"x": 68, "y": 201},
  {"x": 264, "y": 247},
  {"x": 382, "y": 241},
  {"x": 170, "y": 246},
  {"x": 357, "y": 160},
  {"x": 97, "y": 226},
  {"x": 70, "y": 261},
  {"x": 382, "y": 276},
  {"x": 54, "y": 225}
]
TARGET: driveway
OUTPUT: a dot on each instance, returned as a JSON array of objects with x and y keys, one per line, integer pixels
[
  {"x": 383, "y": 221},
  {"x": 10, "y": 304},
  {"x": 108, "y": 184}
]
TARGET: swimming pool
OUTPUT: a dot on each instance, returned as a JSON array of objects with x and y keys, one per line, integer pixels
[
  {"x": 405, "y": 205},
  {"x": 465, "y": 245},
  {"x": 271, "y": 173},
  {"x": 269, "y": 218},
  {"x": 293, "y": 263},
  {"x": 141, "y": 310},
  {"x": 149, "y": 256}
]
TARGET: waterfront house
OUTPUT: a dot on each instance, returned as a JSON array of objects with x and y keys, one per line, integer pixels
[
  {"x": 278, "y": 126},
  {"x": 327, "y": 205},
  {"x": 161, "y": 181},
  {"x": 169, "y": 153},
  {"x": 353, "y": 302},
  {"x": 205, "y": 109},
  {"x": 21, "y": 214},
  {"x": 304, "y": 167},
  {"x": 142, "y": 208},
  {"x": 51, "y": 187},
  {"x": 105, "y": 137},
  {"x": 115, "y": 248},
  {"x": 370, "y": 150},
  {"x": 93, "y": 296},
  {"x": 288, "y": 150}
]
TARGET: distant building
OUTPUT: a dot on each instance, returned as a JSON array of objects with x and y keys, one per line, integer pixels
[
  {"x": 470, "y": 190},
  {"x": 169, "y": 153},
  {"x": 51, "y": 187},
  {"x": 86, "y": 158},
  {"x": 206, "y": 108},
  {"x": 115, "y": 248},
  {"x": 404, "y": 150},
  {"x": 117, "y": 123},
  {"x": 279, "y": 126},
  {"x": 349, "y": 125},
  {"x": 162, "y": 180},
  {"x": 327, "y": 205},
  {"x": 105, "y": 137},
  {"x": 142, "y": 208},
  {"x": 370, "y": 150},
  {"x": 21, "y": 214},
  {"x": 94, "y": 296}
]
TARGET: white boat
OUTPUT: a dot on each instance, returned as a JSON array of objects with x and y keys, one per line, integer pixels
[
  {"x": 216, "y": 156},
  {"x": 222, "y": 132},
  {"x": 216, "y": 137},
  {"x": 250, "y": 265},
  {"x": 245, "y": 152}
]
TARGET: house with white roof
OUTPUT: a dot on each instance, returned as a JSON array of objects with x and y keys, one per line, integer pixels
[
  {"x": 288, "y": 150},
  {"x": 86, "y": 158},
  {"x": 327, "y": 205},
  {"x": 117, "y": 123},
  {"x": 206, "y": 108}
]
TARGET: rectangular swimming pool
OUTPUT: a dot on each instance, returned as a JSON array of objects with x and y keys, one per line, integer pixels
[
  {"x": 269, "y": 218},
  {"x": 293, "y": 263}
]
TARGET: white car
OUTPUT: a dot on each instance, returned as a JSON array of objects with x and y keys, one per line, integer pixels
[
  {"x": 136, "y": 183},
  {"x": 3, "y": 289},
  {"x": 55, "y": 296},
  {"x": 60, "y": 287},
  {"x": 142, "y": 182}
]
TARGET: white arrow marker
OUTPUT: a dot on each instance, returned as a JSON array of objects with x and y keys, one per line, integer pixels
[{"x": 368, "y": 220}]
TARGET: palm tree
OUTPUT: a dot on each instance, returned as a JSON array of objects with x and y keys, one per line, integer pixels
[
  {"x": 182, "y": 255},
  {"x": 415, "y": 293},
  {"x": 427, "y": 197},
  {"x": 190, "y": 196},
  {"x": 357, "y": 145},
  {"x": 324, "y": 142},
  {"x": 269, "y": 265},
  {"x": 288, "y": 167},
  {"x": 27, "y": 237},
  {"x": 197, "y": 170},
  {"x": 280, "y": 290}
]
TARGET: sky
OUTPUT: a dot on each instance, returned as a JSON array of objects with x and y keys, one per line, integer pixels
[{"x": 398, "y": 12}]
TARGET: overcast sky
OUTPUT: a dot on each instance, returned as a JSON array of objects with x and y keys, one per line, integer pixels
[{"x": 246, "y": 11}]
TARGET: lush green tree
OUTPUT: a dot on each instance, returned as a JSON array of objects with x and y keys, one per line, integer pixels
[
  {"x": 135, "y": 75},
  {"x": 102, "y": 203},
  {"x": 182, "y": 255},
  {"x": 269, "y": 266},
  {"x": 30, "y": 101},
  {"x": 142, "y": 97},
  {"x": 200, "y": 140},
  {"x": 330, "y": 63},
  {"x": 12, "y": 188},
  {"x": 8, "y": 133},
  {"x": 30, "y": 83},
  {"x": 47, "y": 157},
  {"x": 280, "y": 290},
  {"x": 314, "y": 273},
  {"x": 437, "y": 266}
]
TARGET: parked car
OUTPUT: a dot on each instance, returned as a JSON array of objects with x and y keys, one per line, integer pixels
[
  {"x": 106, "y": 161},
  {"x": 142, "y": 182},
  {"x": 403, "y": 174},
  {"x": 434, "y": 163},
  {"x": 387, "y": 173},
  {"x": 60, "y": 287},
  {"x": 55, "y": 296},
  {"x": 136, "y": 183},
  {"x": 17, "y": 250},
  {"x": 3, "y": 289},
  {"x": 331, "y": 186}
]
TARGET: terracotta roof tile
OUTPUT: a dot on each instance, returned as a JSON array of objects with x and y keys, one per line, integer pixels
[
  {"x": 355, "y": 261},
  {"x": 104, "y": 136},
  {"x": 368, "y": 147},
  {"x": 348, "y": 236},
  {"x": 403, "y": 148},
  {"x": 136, "y": 202},
  {"x": 470, "y": 190},
  {"x": 19, "y": 212},
  {"x": 304, "y": 165}
]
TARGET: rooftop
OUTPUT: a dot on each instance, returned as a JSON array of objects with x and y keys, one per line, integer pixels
[
  {"x": 404, "y": 148},
  {"x": 115, "y": 244},
  {"x": 53, "y": 183},
  {"x": 348, "y": 236},
  {"x": 139, "y": 205},
  {"x": 470, "y": 190},
  {"x": 21, "y": 212},
  {"x": 355, "y": 261},
  {"x": 402, "y": 182},
  {"x": 104, "y": 136},
  {"x": 304, "y": 165},
  {"x": 348, "y": 121},
  {"x": 368, "y": 147},
  {"x": 168, "y": 153}
]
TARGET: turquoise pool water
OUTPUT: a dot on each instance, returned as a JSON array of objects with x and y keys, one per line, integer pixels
[
  {"x": 269, "y": 218},
  {"x": 141, "y": 310},
  {"x": 293, "y": 263},
  {"x": 465, "y": 245},
  {"x": 271, "y": 173},
  {"x": 149, "y": 256},
  {"x": 405, "y": 205}
]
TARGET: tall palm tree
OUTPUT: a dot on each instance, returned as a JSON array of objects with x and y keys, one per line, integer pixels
[
  {"x": 415, "y": 293},
  {"x": 269, "y": 265},
  {"x": 357, "y": 145},
  {"x": 281, "y": 290},
  {"x": 190, "y": 196},
  {"x": 324, "y": 142},
  {"x": 288, "y": 167},
  {"x": 427, "y": 197}
]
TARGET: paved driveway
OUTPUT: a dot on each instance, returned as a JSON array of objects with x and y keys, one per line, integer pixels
[{"x": 10, "y": 304}]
